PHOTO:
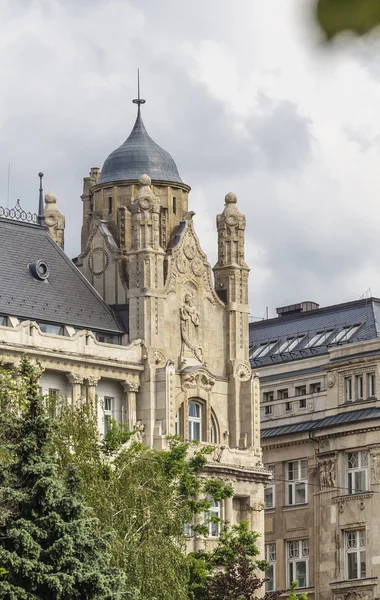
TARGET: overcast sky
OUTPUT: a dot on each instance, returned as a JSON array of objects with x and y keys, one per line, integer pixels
[{"x": 245, "y": 99}]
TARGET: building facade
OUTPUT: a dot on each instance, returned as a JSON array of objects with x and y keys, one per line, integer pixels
[
  {"x": 319, "y": 372},
  {"x": 140, "y": 325}
]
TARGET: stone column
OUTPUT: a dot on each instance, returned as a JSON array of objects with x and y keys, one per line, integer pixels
[
  {"x": 228, "y": 511},
  {"x": 76, "y": 380},
  {"x": 92, "y": 382},
  {"x": 131, "y": 405}
]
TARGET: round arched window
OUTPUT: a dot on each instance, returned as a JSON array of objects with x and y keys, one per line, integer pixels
[{"x": 195, "y": 421}]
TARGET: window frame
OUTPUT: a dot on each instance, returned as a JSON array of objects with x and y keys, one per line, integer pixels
[
  {"x": 293, "y": 561},
  {"x": 293, "y": 484},
  {"x": 214, "y": 510},
  {"x": 271, "y": 558},
  {"x": 348, "y": 397},
  {"x": 268, "y": 410},
  {"x": 356, "y": 551},
  {"x": 363, "y": 457},
  {"x": 108, "y": 412},
  {"x": 371, "y": 385},
  {"x": 194, "y": 420},
  {"x": 271, "y": 487}
]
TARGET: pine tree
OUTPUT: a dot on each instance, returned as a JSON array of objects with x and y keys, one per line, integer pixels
[{"x": 50, "y": 547}]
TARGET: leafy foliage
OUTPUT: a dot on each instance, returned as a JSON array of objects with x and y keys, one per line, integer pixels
[
  {"x": 229, "y": 571},
  {"x": 358, "y": 16},
  {"x": 144, "y": 496},
  {"x": 49, "y": 545},
  {"x": 293, "y": 595}
]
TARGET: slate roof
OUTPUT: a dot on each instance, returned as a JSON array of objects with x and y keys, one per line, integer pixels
[
  {"x": 66, "y": 297},
  {"x": 137, "y": 156},
  {"x": 305, "y": 325},
  {"x": 354, "y": 416}
]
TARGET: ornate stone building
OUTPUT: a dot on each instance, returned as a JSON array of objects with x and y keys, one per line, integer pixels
[
  {"x": 140, "y": 325},
  {"x": 319, "y": 373}
]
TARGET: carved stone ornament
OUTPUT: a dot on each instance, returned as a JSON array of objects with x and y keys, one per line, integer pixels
[
  {"x": 189, "y": 249},
  {"x": 92, "y": 380},
  {"x": 196, "y": 380},
  {"x": 355, "y": 595},
  {"x": 190, "y": 322},
  {"x": 327, "y": 473},
  {"x": 98, "y": 261},
  {"x": 331, "y": 380},
  {"x": 375, "y": 463},
  {"x": 243, "y": 372},
  {"x": 197, "y": 266},
  {"x": 158, "y": 358}
]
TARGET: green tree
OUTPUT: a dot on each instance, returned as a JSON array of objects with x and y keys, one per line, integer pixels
[
  {"x": 50, "y": 547},
  {"x": 143, "y": 495},
  {"x": 229, "y": 571},
  {"x": 358, "y": 16},
  {"x": 293, "y": 595}
]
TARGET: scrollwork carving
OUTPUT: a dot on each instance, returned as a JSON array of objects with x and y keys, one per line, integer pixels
[
  {"x": 197, "y": 380},
  {"x": 243, "y": 372}
]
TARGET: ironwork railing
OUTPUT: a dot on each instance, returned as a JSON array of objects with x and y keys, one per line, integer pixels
[{"x": 17, "y": 213}]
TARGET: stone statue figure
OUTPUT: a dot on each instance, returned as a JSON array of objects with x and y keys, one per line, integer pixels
[
  {"x": 190, "y": 322},
  {"x": 54, "y": 220}
]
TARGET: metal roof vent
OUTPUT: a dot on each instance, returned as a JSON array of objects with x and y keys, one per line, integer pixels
[{"x": 39, "y": 269}]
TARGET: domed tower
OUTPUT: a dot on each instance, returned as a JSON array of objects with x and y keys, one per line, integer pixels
[{"x": 108, "y": 197}]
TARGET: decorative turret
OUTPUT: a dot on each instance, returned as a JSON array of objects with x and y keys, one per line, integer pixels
[
  {"x": 145, "y": 263},
  {"x": 231, "y": 276}
]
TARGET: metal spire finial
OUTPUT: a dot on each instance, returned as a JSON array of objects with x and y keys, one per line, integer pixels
[
  {"x": 138, "y": 100},
  {"x": 41, "y": 216}
]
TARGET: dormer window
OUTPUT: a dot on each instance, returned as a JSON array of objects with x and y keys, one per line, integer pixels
[
  {"x": 51, "y": 328},
  {"x": 3, "y": 321}
]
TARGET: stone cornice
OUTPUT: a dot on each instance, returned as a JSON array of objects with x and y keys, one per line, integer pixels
[
  {"x": 347, "y": 498},
  {"x": 257, "y": 474}
]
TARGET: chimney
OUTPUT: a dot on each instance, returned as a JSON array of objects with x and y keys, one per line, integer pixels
[{"x": 295, "y": 309}]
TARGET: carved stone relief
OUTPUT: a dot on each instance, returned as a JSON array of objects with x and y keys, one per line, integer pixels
[
  {"x": 355, "y": 595},
  {"x": 375, "y": 471},
  {"x": 54, "y": 220},
  {"x": 331, "y": 379},
  {"x": 327, "y": 473},
  {"x": 190, "y": 323},
  {"x": 198, "y": 379},
  {"x": 243, "y": 372}
]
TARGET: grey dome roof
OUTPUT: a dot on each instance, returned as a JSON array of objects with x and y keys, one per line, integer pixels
[{"x": 137, "y": 156}]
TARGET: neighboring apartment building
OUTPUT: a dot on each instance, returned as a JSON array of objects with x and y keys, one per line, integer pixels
[
  {"x": 140, "y": 326},
  {"x": 319, "y": 372}
]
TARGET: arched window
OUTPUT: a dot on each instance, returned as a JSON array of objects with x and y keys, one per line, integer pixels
[
  {"x": 214, "y": 511},
  {"x": 213, "y": 431},
  {"x": 195, "y": 421}
]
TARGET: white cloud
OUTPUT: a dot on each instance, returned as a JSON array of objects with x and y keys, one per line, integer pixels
[{"x": 243, "y": 98}]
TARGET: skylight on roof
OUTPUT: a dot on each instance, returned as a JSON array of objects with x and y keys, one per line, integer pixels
[
  {"x": 319, "y": 338},
  {"x": 345, "y": 334},
  {"x": 289, "y": 345},
  {"x": 263, "y": 349}
]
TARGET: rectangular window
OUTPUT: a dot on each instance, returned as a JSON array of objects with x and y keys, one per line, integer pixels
[
  {"x": 371, "y": 383},
  {"x": 106, "y": 338},
  {"x": 348, "y": 389},
  {"x": 357, "y": 472},
  {"x": 315, "y": 388},
  {"x": 288, "y": 345},
  {"x": 108, "y": 412},
  {"x": 270, "y": 489},
  {"x": 263, "y": 349},
  {"x": 356, "y": 564},
  {"x": 212, "y": 518},
  {"x": 298, "y": 562},
  {"x": 110, "y": 208},
  {"x": 288, "y": 406},
  {"x": 268, "y": 410},
  {"x": 174, "y": 205},
  {"x": 3, "y": 320},
  {"x": 359, "y": 387},
  {"x": 52, "y": 402},
  {"x": 303, "y": 403},
  {"x": 52, "y": 329},
  {"x": 300, "y": 390},
  {"x": 268, "y": 396},
  {"x": 296, "y": 482},
  {"x": 319, "y": 338},
  {"x": 281, "y": 394},
  {"x": 270, "y": 573}
]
